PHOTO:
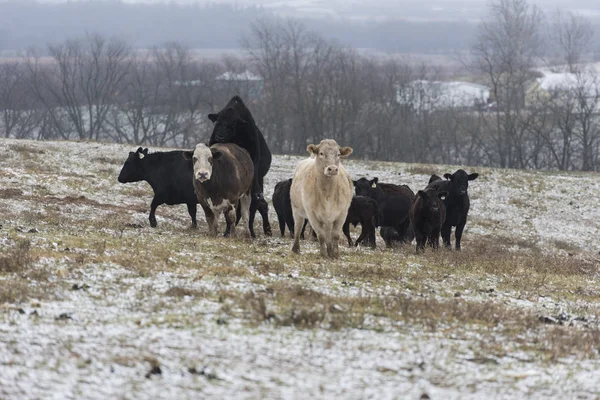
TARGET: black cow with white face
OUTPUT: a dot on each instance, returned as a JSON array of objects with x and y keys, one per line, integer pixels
[
  {"x": 457, "y": 204},
  {"x": 235, "y": 124},
  {"x": 222, "y": 182}
]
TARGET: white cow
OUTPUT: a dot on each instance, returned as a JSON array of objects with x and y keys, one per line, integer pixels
[{"x": 322, "y": 192}]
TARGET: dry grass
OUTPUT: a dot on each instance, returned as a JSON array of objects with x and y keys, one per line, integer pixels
[
  {"x": 15, "y": 292},
  {"x": 16, "y": 259},
  {"x": 285, "y": 304},
  {"x": 422, "y": 169},
  {"x": 20, "y": 280},
  {"x": 379, "y": 290},
  {"x": 178, "y": 291},
  {"x": 10, "y": 193},
  {"x": 109, "y": 160},
  {"x": 25, "y": 149}
]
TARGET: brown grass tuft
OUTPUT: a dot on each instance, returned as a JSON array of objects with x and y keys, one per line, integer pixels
[
  {"x": 178, "y": 291},
  {"x": 10, "y": 193},
  {"x": 428, "y": 170},
  {"x": 109, "y": 160},
  {"x": 24, "y": 149},
  {"x": 14, "y": 292},
  {"x": 16, "y": 259}
]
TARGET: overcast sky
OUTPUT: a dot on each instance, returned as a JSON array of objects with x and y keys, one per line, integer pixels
[{"x": 385, "y": 9}]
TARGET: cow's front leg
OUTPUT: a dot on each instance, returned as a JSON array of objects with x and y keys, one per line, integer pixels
[
  {"x": 323, "y": 245},
  {"x": 446, "y": 232},
  {"x": 211, "y": 220},
  {"x": 192, "y": 208},
  {"x": 252, "y": 214},
  {"x": 421, "y": 240},
  {"x": 244, "y": 206},
  {"x": 230, "y": 216},
  {"x": 263, "y": 209},
  {"x": 346, "y": 230},
  {"x": 298, "y": 223},
  {"x": 459, "y": 231},
  {"x": 155, "y": 203},
  {"x": 335, "y": 237}
]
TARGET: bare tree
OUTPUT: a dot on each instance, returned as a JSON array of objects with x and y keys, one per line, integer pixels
[
  {"x": 573, "y": 102},
  {"x": 130, "y": 119},
  {"x": 18, "y": 114},
  {"x": 570, "y": 39},
  {"x": 505, "y": 50},
  {"x": 80, "y": 83}
]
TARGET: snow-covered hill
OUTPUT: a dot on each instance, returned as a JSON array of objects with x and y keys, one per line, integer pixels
[{"x": 96, "y": 304}]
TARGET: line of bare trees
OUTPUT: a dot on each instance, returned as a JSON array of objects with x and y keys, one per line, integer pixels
[{"x": 94, "y": 88}]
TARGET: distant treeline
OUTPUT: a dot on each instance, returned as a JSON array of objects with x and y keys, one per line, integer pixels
[
  {"x": 303, "y": 87},
  {"x": 26, "y": 23}
]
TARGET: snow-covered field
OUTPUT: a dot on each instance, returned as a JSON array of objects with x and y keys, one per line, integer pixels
[{"x": 96, "y": 304}]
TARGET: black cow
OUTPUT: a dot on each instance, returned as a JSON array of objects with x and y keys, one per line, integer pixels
[
  {"x": 427, "y": 215},
  {"x": 235, "y": 124},
  {"x": 283, "y": 207},
  {"x": 438, "y": 184},
  {"x": 394, "y": 203},
  {"x": 169, "y": 175},
  {"x": 391, "y": 237},
  {"x": 364, "y": 211},
  {"x": 434, "y": 178},
  {"x": 457, "y": 205}
]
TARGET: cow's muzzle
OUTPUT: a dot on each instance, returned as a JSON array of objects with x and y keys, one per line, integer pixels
[
  {"x": 331, "y": 170},
  {"x": 202, "y": 177}
]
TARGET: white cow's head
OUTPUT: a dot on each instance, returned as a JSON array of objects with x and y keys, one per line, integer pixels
[
  {"x": 328, "y": 154},
  {"x": 202, "y": 158}
]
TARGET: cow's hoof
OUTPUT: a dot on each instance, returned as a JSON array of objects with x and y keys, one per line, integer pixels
[{"x": 153, "y": 224}]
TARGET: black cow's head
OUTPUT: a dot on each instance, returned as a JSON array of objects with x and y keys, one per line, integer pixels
[
  {"x": 460, "y": 181},
  {"x": 430, "y": 199},
  {"x": 133, "y": 169},
  {"x": 434, "y": 178},
  {"x": 232, "y": 122},
  {"x": 363, "y": 186}
]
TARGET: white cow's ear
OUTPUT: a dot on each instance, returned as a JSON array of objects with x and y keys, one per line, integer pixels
[
  {"x": 141, "y": 155},
  {"x": 345, "y": 151},
  {"x": 312, "y": 149}
]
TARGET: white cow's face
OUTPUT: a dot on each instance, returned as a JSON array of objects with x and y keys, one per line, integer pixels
[
  {"x": 328, "y": 154},
  {"x": 203, "y": 162}
]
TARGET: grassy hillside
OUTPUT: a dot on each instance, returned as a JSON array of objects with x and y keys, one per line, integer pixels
[{"x": 95, "y": 303}]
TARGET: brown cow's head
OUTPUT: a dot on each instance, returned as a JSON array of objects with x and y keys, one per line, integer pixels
[
  {"x": 328, "y": 154},
  {"x": 202, "y": 157}
]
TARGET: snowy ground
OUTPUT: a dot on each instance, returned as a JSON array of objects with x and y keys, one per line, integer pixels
[{"x": 93, "y": 300}]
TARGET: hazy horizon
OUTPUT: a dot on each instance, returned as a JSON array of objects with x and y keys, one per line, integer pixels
[
  {"x": 411, "y": 10},
  {"x": 439, "y": 27}
]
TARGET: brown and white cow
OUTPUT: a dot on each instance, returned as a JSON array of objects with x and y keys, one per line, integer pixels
[
  {"x": 223, "y": 176},
  {"x": 322, "y": 192}
]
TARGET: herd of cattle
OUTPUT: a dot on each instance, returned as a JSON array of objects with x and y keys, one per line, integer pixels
[{"x": 226, "y": 176}]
